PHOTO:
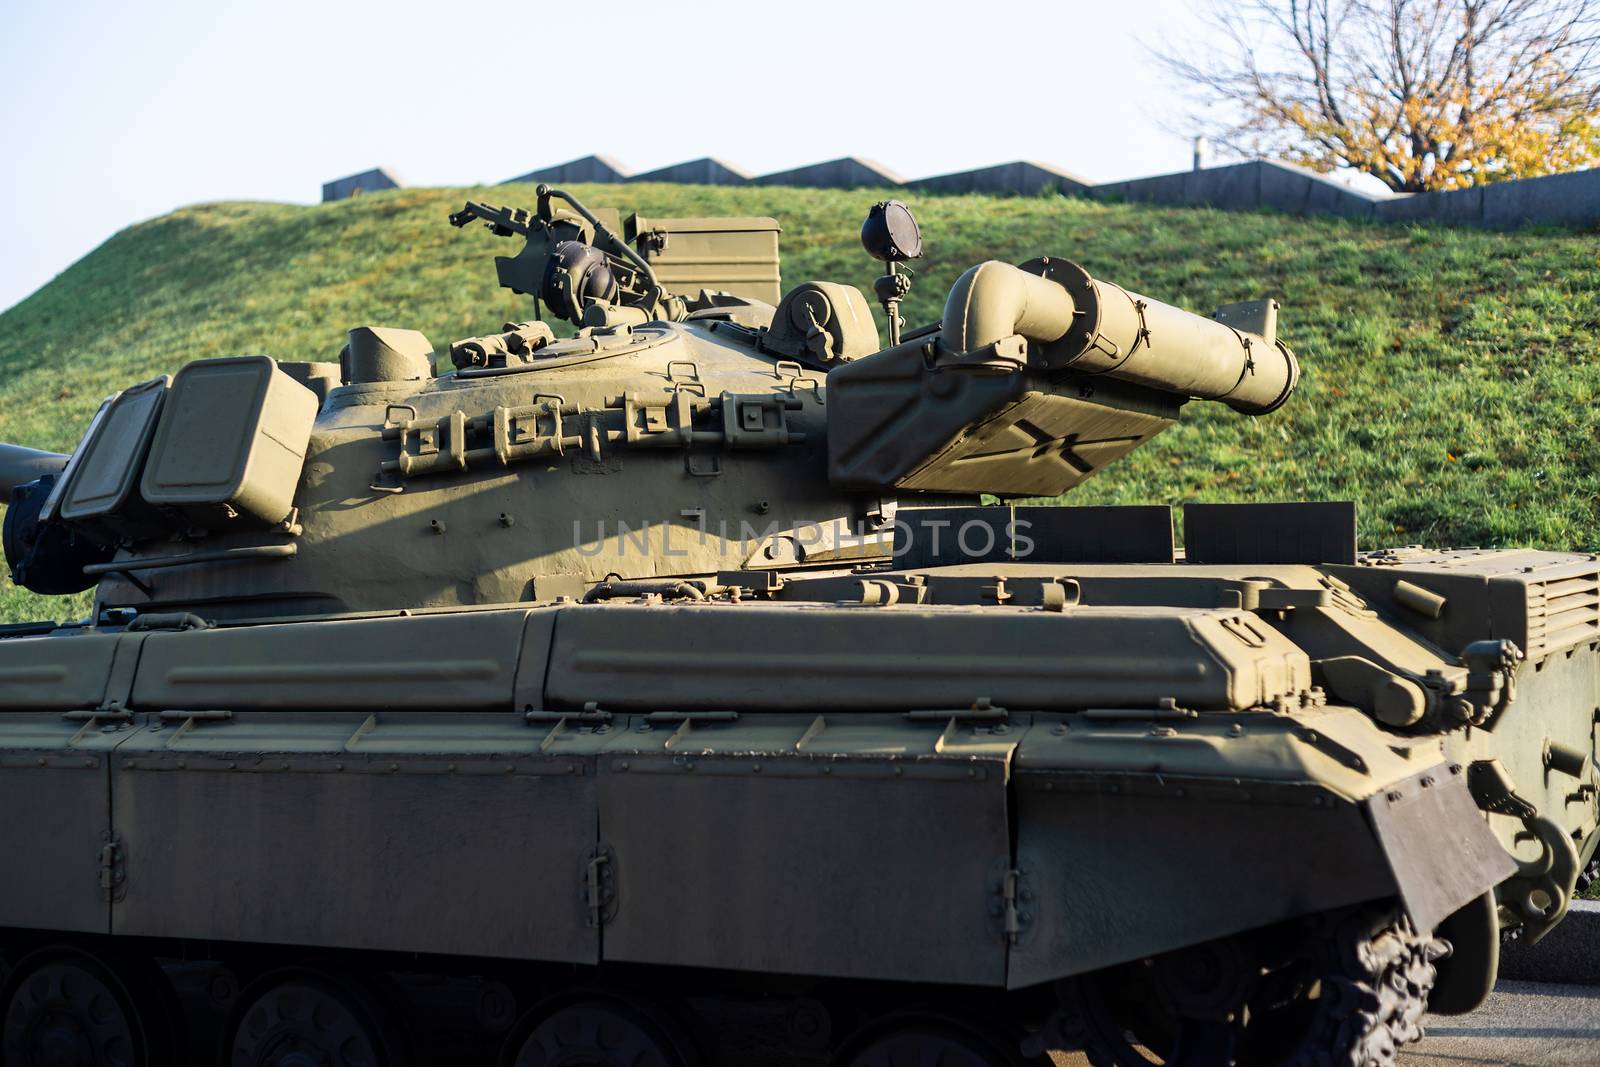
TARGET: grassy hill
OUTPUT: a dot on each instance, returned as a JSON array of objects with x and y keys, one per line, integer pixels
[{"x": 1450, "y": 382}]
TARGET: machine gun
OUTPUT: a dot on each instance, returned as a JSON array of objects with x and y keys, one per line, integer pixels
[
  {"x": 594, "y": 270},
  {"x": 571, "y": 260}
]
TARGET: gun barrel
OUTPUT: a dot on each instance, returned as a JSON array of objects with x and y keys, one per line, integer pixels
[
  {"x": 19, "y": 465},
  {"x": 1094, "y": 327}
]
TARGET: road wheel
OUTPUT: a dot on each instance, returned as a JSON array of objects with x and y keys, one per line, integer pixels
[
  {"x": 64, "y": 1007},
  {"x": 312, "y": 1019},
  {"x": 1349, "y": 991},
  {"x": 929, "y": 1042},
  {"x": 597, "y": 1032}
]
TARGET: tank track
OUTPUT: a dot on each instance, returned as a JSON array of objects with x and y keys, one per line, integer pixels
[
  {"x": 1376, "y": 975},
  {"x": 1376, "y": 995}
]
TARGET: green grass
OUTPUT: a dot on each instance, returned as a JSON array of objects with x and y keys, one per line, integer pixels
[{"x": 1450, "y": 376}]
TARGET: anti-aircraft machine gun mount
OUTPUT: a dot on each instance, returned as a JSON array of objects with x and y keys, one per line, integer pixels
[{"x": 668, "y": 694}]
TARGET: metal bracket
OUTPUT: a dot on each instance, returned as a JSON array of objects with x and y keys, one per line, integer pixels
[
  {"x": 1539, "y": 894},
  {"x": 982, "y": 710},
  {"x": 112, "y": 864},
  {"x": 126, "y": 567},
  {"x": 212, "y": 715},
  {"x": 188, "y": 720},
  {"x": 819, "y": 724},
  {"x": 600, "y": 886},
  {"x": 134, "y": 580},
  {"x": 698, "y": 465},
  {"x": 691, "y": 716},
  {"x": 1493, "y": 790},
  {"x": 1275, "y": 599},
  {"x": 686, "y": 721},
  {"x": 1335, "y": 751},
  {"x": 592, "y": 714},
  {"x": 1142, "y": 337},
  {"x": 694, "y": 371},
  {"x": 110, "y": 713}
]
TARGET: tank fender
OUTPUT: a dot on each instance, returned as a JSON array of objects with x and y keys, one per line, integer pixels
[
  {"x": 1105, "y": 853},
  {"x": 1124, "y": 866}
]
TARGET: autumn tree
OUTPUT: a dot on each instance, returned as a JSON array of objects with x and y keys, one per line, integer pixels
[{"x": 1422, "y": 94}]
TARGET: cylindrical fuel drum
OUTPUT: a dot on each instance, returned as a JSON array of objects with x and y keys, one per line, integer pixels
[{"x": 1090, "y": 326}]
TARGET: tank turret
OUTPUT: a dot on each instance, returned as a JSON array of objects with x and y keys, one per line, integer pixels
[{"x": 691, "y": 427}]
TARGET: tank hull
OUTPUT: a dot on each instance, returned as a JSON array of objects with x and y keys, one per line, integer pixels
[{"x": 966, "y": 792}]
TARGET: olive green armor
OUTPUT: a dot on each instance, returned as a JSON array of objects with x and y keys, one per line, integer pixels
[{"x": 700, "y": 689}]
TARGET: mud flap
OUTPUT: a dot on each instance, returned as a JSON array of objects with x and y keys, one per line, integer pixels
[{"x": 1438, "y": 844}]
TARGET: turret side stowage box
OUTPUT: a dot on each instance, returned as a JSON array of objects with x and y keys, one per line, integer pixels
[
  {"x": 102, "y": 488},
  {"x": 231, "y": 442}
]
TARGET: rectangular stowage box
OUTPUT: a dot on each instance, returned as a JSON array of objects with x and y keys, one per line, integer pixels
[
  {"x": 101, "y": 486},
  {"x": 231, "y": 442},
  {"x": 733, "y": 255}
]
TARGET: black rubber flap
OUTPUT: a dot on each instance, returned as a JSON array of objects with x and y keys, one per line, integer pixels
[
  {"x": 1320, "y": 532},
  {"x": 934, "y": 537},
  {"x": 1438, "y": 845},
  {"x": 1132, "y": 533}
]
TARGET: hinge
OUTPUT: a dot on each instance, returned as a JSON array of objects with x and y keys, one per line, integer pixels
[
  {"x": 110, "y": 712},
  {"x": 984, "y": 709},
  {"x": 1015, "y": 905},
  {"x": 113, "y": 867},
  {"x": 1009, "y": 893},
  {"x": 600, "y": 886},
  {"x": 591, "y": 715},
  {"x": 108, "y": 717}
]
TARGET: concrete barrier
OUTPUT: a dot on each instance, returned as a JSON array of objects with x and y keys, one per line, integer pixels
[
  {"x": 1558, "y": 200},
  {"x": 597, "y": 168},
  {"x": 1247, "y": 186},
  {"x": 847, "y": 172},
  {"x": 1298, "y": 191},
  {"x": 1554, "y": 200},
  {"x": 1458, "y": 207},
  {"x": 1023, "y": 177},
  {"x": 705, "y": 171},
  {"x": 1569, "y": 953},
  {"x": 366, "y": 182}
]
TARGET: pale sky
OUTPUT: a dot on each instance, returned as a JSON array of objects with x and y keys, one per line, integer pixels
[{"x": 114, "y": 112}]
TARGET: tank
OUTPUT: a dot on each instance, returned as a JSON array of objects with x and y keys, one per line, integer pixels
[{"x": 684, "y": 678}]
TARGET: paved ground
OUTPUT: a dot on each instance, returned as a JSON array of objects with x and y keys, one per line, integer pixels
[{"x": 1523, "y": 1025}]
